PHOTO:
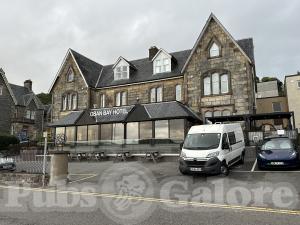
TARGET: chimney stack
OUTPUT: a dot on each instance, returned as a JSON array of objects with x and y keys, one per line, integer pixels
[
  {"x": 28, "y": 84},
  {"x": 152, "y": 52}
]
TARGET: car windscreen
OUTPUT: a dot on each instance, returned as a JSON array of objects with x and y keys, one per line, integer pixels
[
  {"x": 202, "y": 141},
  {"x": 277, "y": 144}
]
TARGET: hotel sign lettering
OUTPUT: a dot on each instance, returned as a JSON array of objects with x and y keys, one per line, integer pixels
[{"x": 109, "y": 112}]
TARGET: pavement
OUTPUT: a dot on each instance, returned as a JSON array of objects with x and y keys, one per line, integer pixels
[{"x": 138, "y": 192}]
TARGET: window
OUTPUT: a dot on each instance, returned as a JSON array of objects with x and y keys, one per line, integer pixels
[
  {"x": 177, "y": 129},
  {"x": 69, "y": 101},
  {"x": 32, "y": 115},
  {"x": 216, "y": 84},
  {"x": 214, "y": 50},
  {"x": 133, "y": 130},
  {"x": 278, "y": 122},
  {"x": 298, "y": 82},
  {"x": 1, "y": 90},
  {"x": 178, "y": 92},
  {"x": 121, "y": 72},
  {"x": 276, "y": 107},
  {"x": 65, "y": 103},
  {"x": 162, "y": 65},
  {"x": 207, "y": 86},
  {"x": 231, "y": 137},
  {"x": 82, "y": 133},
  {"x": 121, "y": 98},
  {"x": 226, "y": 113},
  {"x": 146, "y": 130},
  {"x": 59, "y": 131},
  {"x": 70, "y": 75},
  {"x": 118, "y": 131},
  {"x": 217, "y": 113},
  {"x": 70, "y": 134},
  {"x": 106, "y": 131},
  {"x": 102, "y": 100},
  {"x": 27, "y": 116},
  {"x": 208, "y": 114},
  {"x": 93, "y": 133},
  {"x": 162, "y": 129},
  {"x": 156, "y": 94},
  {"x": 224, "y": 84},
  {"x": 74, "y": 101}
]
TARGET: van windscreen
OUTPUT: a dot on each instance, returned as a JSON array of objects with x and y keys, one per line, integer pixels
[{"x": 202, "y": 141}]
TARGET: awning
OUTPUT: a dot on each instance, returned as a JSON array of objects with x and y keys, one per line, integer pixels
[{"x": 134, "y": 113}]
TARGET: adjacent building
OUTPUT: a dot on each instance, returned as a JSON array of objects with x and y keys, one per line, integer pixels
[
  {"x": 21, "y": 111},
  {"x": 292, "y": 87},
  {"x": 158, "y": 96}
]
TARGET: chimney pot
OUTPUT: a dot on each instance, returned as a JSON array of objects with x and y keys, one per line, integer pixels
[
  {"x": 28, "y": 84},
  {"x": 152, "y": 52}
]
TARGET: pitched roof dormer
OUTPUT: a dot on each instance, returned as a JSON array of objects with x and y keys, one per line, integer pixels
[
  {"x": 162, "y": 62},
  {"x": 122, "y": 69}
]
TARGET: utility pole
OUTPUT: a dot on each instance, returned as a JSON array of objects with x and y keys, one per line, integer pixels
[{"x": 45, "y": 135}]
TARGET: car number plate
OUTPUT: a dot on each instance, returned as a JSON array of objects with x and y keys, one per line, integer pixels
[
  {"x": 196, "y": 169},
  {"x": 277, "y": 163},
  {"x": 6, "y": 166}
]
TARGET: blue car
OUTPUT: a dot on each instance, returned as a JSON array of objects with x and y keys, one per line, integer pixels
[{"x": 277, "y": 152}]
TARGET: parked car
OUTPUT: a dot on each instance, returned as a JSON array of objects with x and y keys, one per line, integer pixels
[
  {"x": 279, "y": 151},
  {"x": 7, "y": 163},
  {"x": 212, "y": 149}
]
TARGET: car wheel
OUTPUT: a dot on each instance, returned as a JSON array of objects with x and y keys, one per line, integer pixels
[
  {"x": 224, "y": 170},
  {"x": 242, "y": 160},
  {"x": 183, "y": 171}
]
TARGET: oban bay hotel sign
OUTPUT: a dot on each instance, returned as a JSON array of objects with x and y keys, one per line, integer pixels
[{"x": 109, "y": 114}]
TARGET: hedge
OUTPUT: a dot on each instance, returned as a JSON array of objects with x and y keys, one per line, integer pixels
[{"x": 7, "y": 140}]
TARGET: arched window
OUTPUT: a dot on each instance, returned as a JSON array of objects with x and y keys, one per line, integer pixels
[
  {"x": 159, "y": 94},
  {"x": 70, "y": 75},
  {"x": 124, "y": 98},
  {"x": 178, "y": 92},
  {"x": 214, "y": 50},
  {"x": 208, "y": 114},
  {"x": 118, "y": 99},
  {"x": 64, "y": 102},
  {"x": 207, "y": 85},
  {"x": 224, "y": 84},
  {"x": 217, "y": 113},
  {"x": 215, "y": 83},
  {"x": 74, "y": 101},
  {"x": 69, "y": 101}
]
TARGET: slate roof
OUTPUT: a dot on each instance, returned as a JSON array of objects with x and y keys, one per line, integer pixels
[
  {"x": 68, "y": 120},
  {"x": 248, "y": 47},
  {"x": 89, "y": 68},
  {"x": 24, "y": 96}
]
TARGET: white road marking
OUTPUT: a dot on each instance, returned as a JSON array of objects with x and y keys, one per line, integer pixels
[
  {"x": 254, "y": 165},
  {"x": 84, "y": 178}
]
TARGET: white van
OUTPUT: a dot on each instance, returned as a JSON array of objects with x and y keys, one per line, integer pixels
[{"x": 212, "y": 149}]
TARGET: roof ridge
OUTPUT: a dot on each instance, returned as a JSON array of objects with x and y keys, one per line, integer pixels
[{"x": 81, "y": 55}]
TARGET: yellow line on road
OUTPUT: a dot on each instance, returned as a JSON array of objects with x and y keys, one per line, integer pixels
[{"x": 159, "y": 200}]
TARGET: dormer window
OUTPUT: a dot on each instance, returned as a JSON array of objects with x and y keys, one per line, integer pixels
[
  {"x": 70, "y": 75},
  {"x": 214, "y": 50},
  {"x": 121, "y": 72},
  {"x": 161, "y": 62}
]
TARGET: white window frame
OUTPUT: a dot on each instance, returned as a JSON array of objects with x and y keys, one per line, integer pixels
[
  {"x": 1, "y": 89},
  {"x": 162, "y": 63},
  {"x": 178, "y": 92},
  {"x": 64, "y": 102},
  {"x": 102, "y": 100},
  {"x": 118, "y": 99},
  {"x": 69, "y": 101},
  {"x": 121, "y": 72},
  {"x": 70, "y": 75},
  {"x": 74, "y": 101},
  {"x": 124, "y": 98},
  {"x": 28, "y": 114},
  {"x": 224, "y": 83},
  {"x": 214, "y": 50},
  {"x": 156, "y": 94},
  {"x": 215, "y": 79},
  {"x": 153, "y": 95},
  {"x": 32, "y": 115},
  {"x": 207, "y": 85}
]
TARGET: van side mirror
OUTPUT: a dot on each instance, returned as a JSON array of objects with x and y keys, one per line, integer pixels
[{"x": 181, "y": 145}]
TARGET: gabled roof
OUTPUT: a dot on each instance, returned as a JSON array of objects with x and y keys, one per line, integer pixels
[
  {"x": 122, "y": 58},
  {"x": 159, "y": 51},
  {"x": 2, "y": 73},
  {"x": 213, "y": 17},
  {"x": 24, "y": 96},
  {"x": 89, "y": 69},
  {"x": 143, "y": 72}
]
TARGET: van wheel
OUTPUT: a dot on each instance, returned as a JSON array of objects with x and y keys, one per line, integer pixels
[
  {"x": 182, "y": 171},
  {"x": 224, "y": 170},
  {"x": 242, "y": 160}
]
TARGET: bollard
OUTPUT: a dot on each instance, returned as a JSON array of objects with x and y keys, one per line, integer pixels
[{"x": 58, "y": 168}]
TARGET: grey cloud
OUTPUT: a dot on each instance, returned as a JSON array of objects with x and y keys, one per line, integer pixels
[{"x": 35, "y": 35}]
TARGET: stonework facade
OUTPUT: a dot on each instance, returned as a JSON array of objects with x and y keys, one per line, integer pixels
[
  {"x": 240, "y": 98},
  {"x": 292, "y": 84},
  {"x": 92, "y": 81}
]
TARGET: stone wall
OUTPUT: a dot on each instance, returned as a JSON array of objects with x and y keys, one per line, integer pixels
[
  {"x": 137, "y": 91},
  {"x": 6, "y": 108},
  {"x": 62, "y": 86},
  {"x": 240, "y": 99},
  {"x": 293, "y": 96}
]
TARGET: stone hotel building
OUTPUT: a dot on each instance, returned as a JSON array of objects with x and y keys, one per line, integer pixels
[{"x": 156, "y": 97}]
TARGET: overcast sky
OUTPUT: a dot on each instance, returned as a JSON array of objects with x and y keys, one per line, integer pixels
[{"x": 35, "y": 35}]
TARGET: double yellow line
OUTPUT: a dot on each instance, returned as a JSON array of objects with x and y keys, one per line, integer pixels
[{"x": 158, "y": 200}]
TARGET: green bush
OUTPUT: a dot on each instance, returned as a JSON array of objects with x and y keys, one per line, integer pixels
[{"x": 7, "y": 140}]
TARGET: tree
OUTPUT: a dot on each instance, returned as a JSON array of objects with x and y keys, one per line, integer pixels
[{"x": 46, "y": 99}]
